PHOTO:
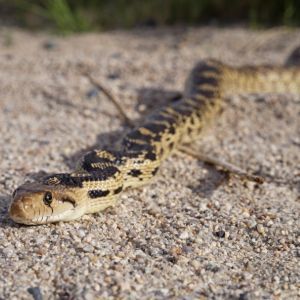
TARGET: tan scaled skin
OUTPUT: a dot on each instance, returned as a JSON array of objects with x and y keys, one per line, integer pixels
[{"x": 162, "y": 132}]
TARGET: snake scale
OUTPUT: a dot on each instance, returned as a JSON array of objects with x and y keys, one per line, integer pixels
[{"x": 102, "y": 175}]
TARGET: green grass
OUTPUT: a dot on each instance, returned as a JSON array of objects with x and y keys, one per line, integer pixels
[
  {"x": 67, "y": 16},
  {"x": 64, "y": 19}
]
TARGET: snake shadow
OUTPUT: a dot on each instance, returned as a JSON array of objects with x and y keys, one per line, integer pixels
[
  {"x": 212, "y": 180},
  {"x": 148, "y": 100}
]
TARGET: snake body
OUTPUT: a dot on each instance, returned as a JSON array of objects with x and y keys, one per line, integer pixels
[{"x": 102, "y": 175}]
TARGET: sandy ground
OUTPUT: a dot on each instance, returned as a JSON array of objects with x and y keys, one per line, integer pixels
[{"x": 194, "y": 233}]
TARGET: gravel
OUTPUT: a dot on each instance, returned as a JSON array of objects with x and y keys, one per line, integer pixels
[{"x": 194, "y": 232}]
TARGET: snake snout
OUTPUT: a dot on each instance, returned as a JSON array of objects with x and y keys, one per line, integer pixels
[
  {"x": 17, "y": 211},
  {"x": 20, "y": 209}
]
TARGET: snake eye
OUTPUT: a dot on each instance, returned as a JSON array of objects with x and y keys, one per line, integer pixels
[{"x": 47, "y": 198}]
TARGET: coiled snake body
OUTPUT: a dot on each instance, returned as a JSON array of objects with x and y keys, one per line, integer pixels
[{"x": 102, "y": 175}]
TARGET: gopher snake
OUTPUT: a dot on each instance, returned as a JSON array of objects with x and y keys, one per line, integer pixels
[{"x": 102, "y": 175}]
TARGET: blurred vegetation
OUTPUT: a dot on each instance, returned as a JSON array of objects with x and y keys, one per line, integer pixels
[{"x": 67, "y": 16}]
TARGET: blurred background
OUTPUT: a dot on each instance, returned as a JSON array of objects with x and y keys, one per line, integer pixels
[{"x": 68, "y": 16}]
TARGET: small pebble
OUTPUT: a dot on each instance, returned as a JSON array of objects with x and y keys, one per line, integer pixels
[
  {"x": 196, "y": 264},
  {"x": 92, "y": 93},
  {"x": 36, "y": 293},
  {"x": 81, "y": 233},
  {"x": 88, "y": 248},
  {"x": 251, "y": 223},
  {"x": 113, "y": 76},
  {"x": 184, "y": 235},
  {"x": 260, "y": 229},
  {"x": 220, "y": 234},
  {"x": 49, "y": 45}
]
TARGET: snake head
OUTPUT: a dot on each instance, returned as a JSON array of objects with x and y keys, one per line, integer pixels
[{"x": 38, "y": 203}]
